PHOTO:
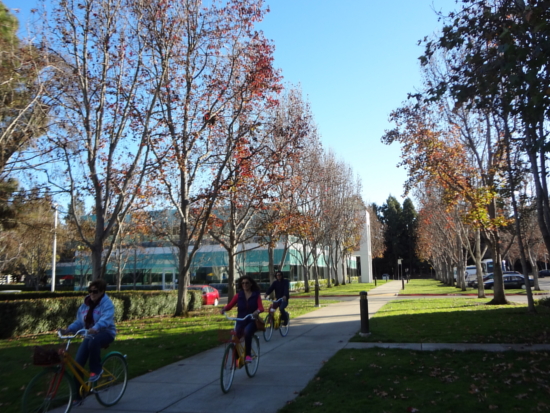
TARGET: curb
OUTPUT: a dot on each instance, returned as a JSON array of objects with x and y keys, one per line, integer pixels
[{"x": 450, "y": 346}]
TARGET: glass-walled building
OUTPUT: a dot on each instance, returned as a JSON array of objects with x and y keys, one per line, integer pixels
[{"x": 151, "y": 264}]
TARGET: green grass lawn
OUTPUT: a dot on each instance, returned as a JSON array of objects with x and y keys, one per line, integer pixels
[
  {"x": 457, "y": 320},
  {"x": 149, "y": 344},
  {"x": 348, "y": 289},
  {"x": 393, "y": 380},
  {"x": 396, "y": 381},
  {"x": 431, "y": 286}
]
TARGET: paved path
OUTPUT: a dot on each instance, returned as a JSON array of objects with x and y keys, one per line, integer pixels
[{"x": 286, "y": 366}]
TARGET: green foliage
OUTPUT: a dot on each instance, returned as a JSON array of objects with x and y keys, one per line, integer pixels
[
  {"x": 39, "y": 315},
  {"x": 400, "y": 235}
]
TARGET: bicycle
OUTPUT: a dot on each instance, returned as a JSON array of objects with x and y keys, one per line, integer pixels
[
  {"x": 273, "y": 321},
  {"x": 234, "y": 356},
  {"x": 52, "y": 388}
]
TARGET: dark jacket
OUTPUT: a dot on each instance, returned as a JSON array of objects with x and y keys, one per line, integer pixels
[
  {"x": 244, "y": 306},
  {"x": 281, "y": 289}
]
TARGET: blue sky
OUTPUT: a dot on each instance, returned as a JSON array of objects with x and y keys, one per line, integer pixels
[{"x": 355, "y": 60}]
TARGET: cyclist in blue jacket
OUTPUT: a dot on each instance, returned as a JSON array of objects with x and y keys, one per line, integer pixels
[{"x": 97, "y": 314}]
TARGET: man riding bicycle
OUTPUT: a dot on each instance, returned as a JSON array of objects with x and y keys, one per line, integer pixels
[{"x": 281, "y": 288}]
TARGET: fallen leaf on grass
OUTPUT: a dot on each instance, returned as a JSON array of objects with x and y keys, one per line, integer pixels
[
  {"x": 412, "y": 410},
  {"x": 317, "y": 404},
  {"x": 492, "y": 407},
  {"x": 521, "y": 396}
]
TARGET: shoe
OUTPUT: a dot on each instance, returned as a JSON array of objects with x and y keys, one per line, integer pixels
[
  {"x": 95, "y": 377},
  {"x": 248, "y": 359},
  {"x": 77, "y": 402}
]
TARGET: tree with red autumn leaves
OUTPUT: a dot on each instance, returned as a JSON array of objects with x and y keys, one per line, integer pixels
[
  {"x": 441, "y": 152},
  {"x": 216, "y": 77},
  {"x": 255, "y": 175}
]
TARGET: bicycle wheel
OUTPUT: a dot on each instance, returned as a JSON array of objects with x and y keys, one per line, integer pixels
[
  {"x": 48, "y": 390},
  {"x": 268, "y": 327},
  {"x": 284, "y": 329},
  {"x": 228, "y": 367},
  {"x": 112, "y": 384},
  {"x": 252, "y": 367}
]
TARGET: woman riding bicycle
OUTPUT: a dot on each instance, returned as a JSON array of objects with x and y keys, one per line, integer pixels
[
  {"x": 97, "y": 314},
  {"x": 248, "y": 301}
]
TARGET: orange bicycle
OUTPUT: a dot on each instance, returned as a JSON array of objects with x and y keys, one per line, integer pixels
[
  {"x": 52, "y": 388},
  {"x": 273, "y": 321},
  {"x": 234, "y": 356}
]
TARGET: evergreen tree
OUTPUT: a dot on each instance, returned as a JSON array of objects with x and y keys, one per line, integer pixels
[{"x": 400, "y": 225}]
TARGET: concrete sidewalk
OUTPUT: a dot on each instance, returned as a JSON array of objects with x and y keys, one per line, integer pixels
[{"x": 286, "y": 366}]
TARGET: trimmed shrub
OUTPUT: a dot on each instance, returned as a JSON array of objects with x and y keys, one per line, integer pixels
[{"x": 40, "y": 315}]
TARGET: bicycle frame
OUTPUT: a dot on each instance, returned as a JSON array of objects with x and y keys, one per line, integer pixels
[
  {"x": 274, "y": 314},
  {"x": 67, "y": 361},
  {"x": 239, "y": 347},
  {"x": 234, "y": 357},
  {"x": 52, "y": 389}
]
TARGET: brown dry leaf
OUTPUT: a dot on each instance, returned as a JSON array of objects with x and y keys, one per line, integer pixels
[
  {"x": 492, "y": 407},
  {"x": 522, "y": 396}
]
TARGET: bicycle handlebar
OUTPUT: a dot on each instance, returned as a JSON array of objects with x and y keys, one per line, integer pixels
[
  {"x": 276, "y": 301},
  {"x": 82, "y": 332},
  {"x": 238, "y": 319}
]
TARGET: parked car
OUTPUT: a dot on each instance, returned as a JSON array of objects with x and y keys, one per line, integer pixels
[
  {"x": 210, "y": 296},
  {"x": 544, "y": 273},
  {"x": 515, "y": 280},
  {"x": 473, "y": 283}
]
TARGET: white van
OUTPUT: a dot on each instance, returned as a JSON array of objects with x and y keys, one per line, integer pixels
[{"x": 471, "y": 271}]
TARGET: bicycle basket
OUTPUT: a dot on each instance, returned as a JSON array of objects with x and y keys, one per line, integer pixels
[
  {"x": 226, "y": 336},
  {"x": 46, "y": 356}
]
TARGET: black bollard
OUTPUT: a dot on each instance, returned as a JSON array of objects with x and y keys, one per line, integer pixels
[
  {"x": 375, "y": 280},
  {"x": 364, "y": 307}
]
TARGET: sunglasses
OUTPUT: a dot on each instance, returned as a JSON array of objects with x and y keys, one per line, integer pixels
[{"x": 93, "y": 291}]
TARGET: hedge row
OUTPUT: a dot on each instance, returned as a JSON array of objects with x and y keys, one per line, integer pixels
[{"x": 35, "y": 316}]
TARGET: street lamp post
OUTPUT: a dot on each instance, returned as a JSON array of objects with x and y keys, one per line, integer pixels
[
  {"x": 54, "y": 206},
  {"x": 400, "y": 271}
]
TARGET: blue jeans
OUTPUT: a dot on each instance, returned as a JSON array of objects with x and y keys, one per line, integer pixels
[
  {"x": 90, "y": 349},
  {"x": 284, "y": 314},
  {"x": 248, "y": 328}
]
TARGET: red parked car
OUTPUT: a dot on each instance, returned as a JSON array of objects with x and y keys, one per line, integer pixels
[{"x": 210, "y": 296}]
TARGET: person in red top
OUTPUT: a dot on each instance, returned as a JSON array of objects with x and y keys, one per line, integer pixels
[{"x": 249, "y": 301}]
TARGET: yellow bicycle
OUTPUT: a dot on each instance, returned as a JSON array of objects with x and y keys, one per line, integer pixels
[
  {"x": 234, "y": 356},
  {"x": 273, "y": 321},
  {"x": 52, "y": 388}
]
